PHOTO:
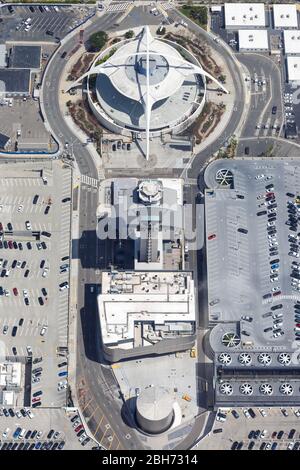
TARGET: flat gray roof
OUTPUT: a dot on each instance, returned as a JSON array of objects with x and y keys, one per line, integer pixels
[
  {"x": 25, "y": 57},
  {"x": 15, "y": 80}
]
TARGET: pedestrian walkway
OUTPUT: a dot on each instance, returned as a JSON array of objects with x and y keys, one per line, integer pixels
[
  {"x": 167, "y": 5},
  {"x": 89, "y": 181},
  {"x": 119, "y": 6}
]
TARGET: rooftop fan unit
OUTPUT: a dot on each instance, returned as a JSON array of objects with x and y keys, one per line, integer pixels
[
  {"x": 284, "y": 358},
  {"x": 286, "y": 389},
  {"x": 230, "y": 340},
  {"x": 225, "y": 358},
  {"x": 266, "y": 389},
  {"x": 226, "y": 388},
  {"x": 245, "y": 359},
  {"x": 265, "y": 359},
  {"x": 246, "y": 389}
]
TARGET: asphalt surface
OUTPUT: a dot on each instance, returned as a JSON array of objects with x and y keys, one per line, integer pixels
[
  {"x": 201, "y": 157},
  {"x": 96, "y": 388}
]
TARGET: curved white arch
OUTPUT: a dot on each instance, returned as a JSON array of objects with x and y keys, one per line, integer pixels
[{"x": 147, "y": 98}]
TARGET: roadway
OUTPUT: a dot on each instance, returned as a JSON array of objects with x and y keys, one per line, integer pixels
[{"x": 97, "y": 391}]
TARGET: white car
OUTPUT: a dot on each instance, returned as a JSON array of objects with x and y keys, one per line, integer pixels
[
  {"x": 30, "y": 414},
  {"x": 43, "y": 330},
  {"x": 5, "y": 433},
  {"x": 20, "y": 208},
  {"x": 259, "y": 177},
  {"x": 246, "y": 413},
  {"x": 28, "y": 225},
  {"x": 297, "y": 413},
  {"x": 275, "y": 289},
  {"x": 262, "y": 412},
  {"x": 45, "y": 272},
  {"x": 18, "y": 414},
  {"x": 82, "y": 437},
  {"x": 274, "y": 279},
  {"x": 268, "y": 446},
  {"x": 263, "y": 433},
  {"x": 271, "y": 224},
  {"x": 290, "y": 446},
  {"x": 25, "y": 293},
  {"x": 29, "y": 350}
]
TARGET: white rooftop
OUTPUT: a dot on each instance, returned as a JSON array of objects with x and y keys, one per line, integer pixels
[
  {"x": 244, "y": 14},
  {"x": 253, "y": 39},
  {"x": 10, "y": 374},
  {"x": 291, "y": 41},
  {"x": 285, "y": 15},
  {"x": 293, "y": 67},
  {"x": 164, "y": 298}
]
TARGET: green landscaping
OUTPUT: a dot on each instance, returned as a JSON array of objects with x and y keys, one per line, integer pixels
[
  {"x": 98, "y": 40},
  {"x": 198, "y": 14}
]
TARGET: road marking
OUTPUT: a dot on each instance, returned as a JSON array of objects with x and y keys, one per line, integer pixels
[
  {"x": 99, "y": 425},
  {"x": 87, "y": 405},
  {"x": 93, "y": 412}
]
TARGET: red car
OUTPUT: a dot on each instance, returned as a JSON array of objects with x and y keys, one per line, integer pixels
[
  {"x": 34, "y": 400},
  {"x": 15, "y": 291},
  {"x": 78, "y": 428},
  {"x": 212, "y": 236},
  {"x": 1, "y": 227},
  {"x": 277, "y": 293},
  {"x": 10, "y": 244},
  {"x": 298, "y": 325},
  {"x": 270, "y": 194}
]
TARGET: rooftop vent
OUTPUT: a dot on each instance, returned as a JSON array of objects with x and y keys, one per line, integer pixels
[
  {"x": 225, "y": 358},
  {"x": 266, "y": 389},
  {"x": 226, "y": 388},
  {"x": 265, "y": 359},
  {"x": 246, "y": 389}
]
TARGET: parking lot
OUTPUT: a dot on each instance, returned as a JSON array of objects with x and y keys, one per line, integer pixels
[
  {"x": 23, "y": 124},
  {"x": 46, "y": 22},
  {"x": 53, "y": 428},
  {"x": 261, "y": 224},
  {"x": 237, "y": 430},
  {"x": 34, "y": 257}
]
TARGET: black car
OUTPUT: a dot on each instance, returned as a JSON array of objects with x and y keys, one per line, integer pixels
[
  {"x": 291, "y": 433},
  {"x": 63, "y": 55},
  {"x": 15, "y": 245},
  {"x": 296, "y": 445},
  {"x": 276, "y": 307},
  {"x": 242, "y": 230},
  {"x": 262, "y": 446},
  {"x": 11, "y": 412},
  {"x": 40, "y": 299},
  {"x": 4, "y": 446},
  {"x": 274, "y": 445},
  {"x": 31, "y": 8},
  {"x": 280, "y": 434},
  {"x": 23, "y": 264},
  {"x": 14, "y": 446},
  {"x": 21, "y": 446},
  {"x": 41, "y": 8},
  {"x": 50, "y": 33},
  {"x": 20, "y": 246},
  {"x": 251, "y": 413},
  {"x": 251, "y": 445},
  {"x": 290, "y": 194},
  {"x": 37, "y": 394},
  {"x": 31, "y": 447},
  {"x": 239, "y": 446},
  {"x": 35, "y": 199},
  {"x": 42, "y": 263},
  {"x": 36, "y": 404},
  {"x": 62, "y": 364},
  {"x": 277, "y": 260},
  {"x": 269, "y": 186},
  {"x": 234, "y": 412},
  {"x": 5, "y": 244},
  {"x": 274, "y": 109},
  {"x": 44, "y": 246},
  {"x": 64, "y": 258},
  {"x": 46, "y": 234},
  {"x": 82, "y": 431},
  {"x": 44, "y": 291},
  {"x": 9, "y": 447},
  {"x": 14, "y": 331},
  {"x": 247, "y": 150},
  {"x": 74, "y": 418},
  {"x": 28, "y": 434},
  {"x": 47, "y": 210},
  {"x": 14, "y": 350},
  {"x": 66, "y": 199},
  {"x": 6, "y": 413},
  {"x": 251, "y": 434},
  {"x": 50, "y": 433},
  {"x": 29, "y": 246},
  {"x": 261, "y": 213},
  {"x": 55, "y": 445},
  {"x": 61, "y": 445},
  {"x": 9, "y": 227},
  {"x": 33, "y": 434},
  {"x": 14, "y": 263},
  {"x": 26, "y": 273},
  {"x": 37, "y": 360}
]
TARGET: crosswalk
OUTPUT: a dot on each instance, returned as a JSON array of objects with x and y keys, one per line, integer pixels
[
  {"x": 89, "y": 181},
  {"x": 167, "y": 5},
  {"x": 118, "y": 6}
]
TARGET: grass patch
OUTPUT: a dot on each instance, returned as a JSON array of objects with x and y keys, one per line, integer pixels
[{"x": 196, "y": 14}]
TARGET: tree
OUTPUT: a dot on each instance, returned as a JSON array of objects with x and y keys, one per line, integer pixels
[
  {"x": 129, "y": 34},
  {"x": 98, "y": 40}
]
